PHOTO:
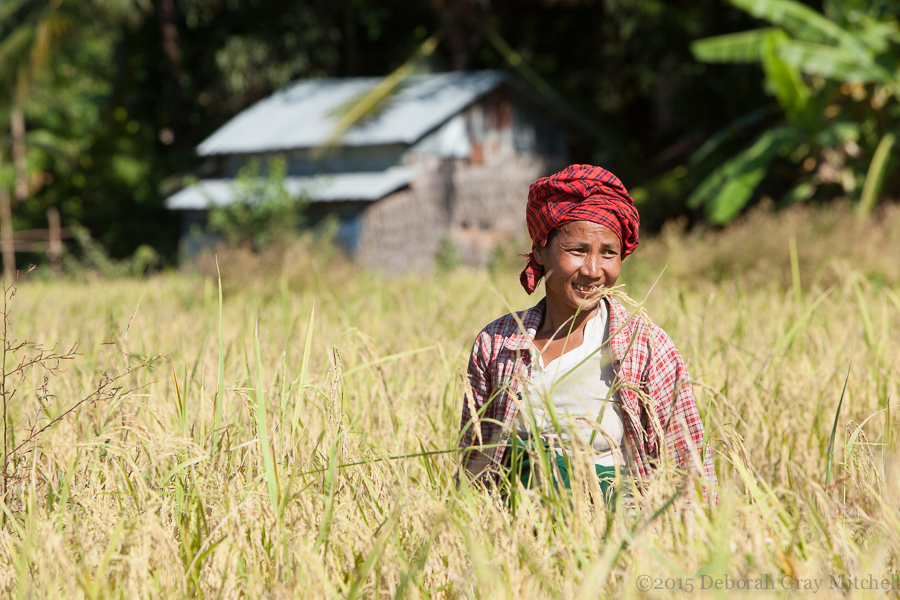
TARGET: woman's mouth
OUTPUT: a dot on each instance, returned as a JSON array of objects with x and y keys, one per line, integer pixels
[{"x": 586, "y": 290}]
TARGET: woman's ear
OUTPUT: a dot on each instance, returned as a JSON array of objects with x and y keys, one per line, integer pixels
[{"x": 538, "y": 253}]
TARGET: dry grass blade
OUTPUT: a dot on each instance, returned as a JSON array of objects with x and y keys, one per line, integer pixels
[
  {"x": 617, "y": 292},
  {"x": 263, "y": 430}
]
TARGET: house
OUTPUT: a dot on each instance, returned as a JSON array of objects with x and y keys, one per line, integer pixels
[{"x": 449, "y": 155}]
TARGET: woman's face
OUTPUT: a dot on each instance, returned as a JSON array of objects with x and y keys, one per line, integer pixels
[{"x": 579, "y": 258}]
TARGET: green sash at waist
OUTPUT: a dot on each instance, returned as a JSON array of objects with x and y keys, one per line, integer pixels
[{"x": 520, "y": 460}]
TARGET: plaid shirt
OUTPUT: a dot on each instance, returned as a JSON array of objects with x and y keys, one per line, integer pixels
[{"x": 652, "y": 381}]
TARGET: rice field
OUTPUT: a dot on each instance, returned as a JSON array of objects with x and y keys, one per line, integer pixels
[{"x": 290, "y": 433}]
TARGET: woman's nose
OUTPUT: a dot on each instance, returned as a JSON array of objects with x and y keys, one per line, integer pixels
[{"x": 592, "y": 266}]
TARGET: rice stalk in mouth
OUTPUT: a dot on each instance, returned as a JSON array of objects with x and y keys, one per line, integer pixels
[{"x": 617, "y": 292}]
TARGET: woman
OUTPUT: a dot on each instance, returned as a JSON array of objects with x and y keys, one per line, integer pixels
[{"x": 578, "y": 362}]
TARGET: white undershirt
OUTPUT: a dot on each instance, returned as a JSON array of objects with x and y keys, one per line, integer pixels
[{"x": 577, "y": 386}]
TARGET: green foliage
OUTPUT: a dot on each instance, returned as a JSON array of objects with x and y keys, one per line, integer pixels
[
  {"x": 263, "y": 211},
  {"x": 112, "y": 118},
  {"x": 734, "y": 47},
  {"x": 727, "y": 189},
  {"x": 833, "y": 76},
  {"x": 504, "y": 258},
  {"x": 114, "y": 111},
  {"x": 91, "y": 260},
  {"x": 446, "y": 257},
  {"x": 248, "y": 63},
  {"x": 875, "y": 176}
]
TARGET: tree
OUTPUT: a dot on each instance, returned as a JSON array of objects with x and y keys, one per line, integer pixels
[
  {"x": 263, "y": 210},
  {"x": 835, "y": 78},
  {"x": 106, "y": 140},
  {"x": 36, "y": 28}
]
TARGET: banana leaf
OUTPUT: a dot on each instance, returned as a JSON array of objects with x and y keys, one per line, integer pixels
[
  {"x": 786, "y": 81},
  {"x": 737, "y": 126},
  {"x": 801, "y": 21},
  {"x": 743, "y": 47},
  {"x": 833, "y": 63},
  {"x": 727, "y": 189}
]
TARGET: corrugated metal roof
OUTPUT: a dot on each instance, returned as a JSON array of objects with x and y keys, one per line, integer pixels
[
  {"x": 324, "y": 188},
  {"x": 303, "y": 115}
]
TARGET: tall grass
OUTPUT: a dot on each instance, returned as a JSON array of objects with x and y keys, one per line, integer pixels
[{"x": 267, "y": 466}]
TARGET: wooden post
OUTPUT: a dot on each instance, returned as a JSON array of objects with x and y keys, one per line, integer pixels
[
  {"x": 17, "y": 129},
  {"x": 54, "y": 245},
  {"x": 6, "y": 237}
]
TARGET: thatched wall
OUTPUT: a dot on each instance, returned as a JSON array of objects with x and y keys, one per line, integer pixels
[{"x": 477, "y": 205}]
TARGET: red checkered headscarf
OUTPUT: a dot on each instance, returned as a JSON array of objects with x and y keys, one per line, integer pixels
[{"x": 579, "y": 193}]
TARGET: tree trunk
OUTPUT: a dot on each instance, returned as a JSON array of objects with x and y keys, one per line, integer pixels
[
  {"x": 17, "y": 127},
  {"x": 54, "y": 247},
  {"x": 167, "y": 13},
  {"x": 463, "y": 21},
  {"x": 6, "y": 238},
  {"x": 351, "y": 60}
]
